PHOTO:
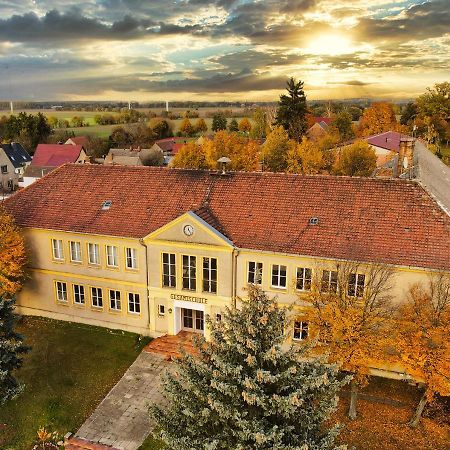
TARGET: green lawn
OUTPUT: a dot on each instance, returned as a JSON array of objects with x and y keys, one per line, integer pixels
[{"x": 69, "y": 370}]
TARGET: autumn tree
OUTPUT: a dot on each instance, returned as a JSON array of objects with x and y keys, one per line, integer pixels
[
  {"x": 275, "y": 150},
  {"x": 244, "y": 125},
  {"x": 12, "y": 256},
  {"x": 423, "y": 330},
  {"x": 219, "y": 122},
  {"x": 352, "y": 312},
  {"x": 161, "y": 128},
  {"x": 343, "y": 123},
  {"x": 305, "y": 158},
  {"x": 151, "y": 157},
  {"x": 186, "y": 127},
  {"x": 291, "y": 114},
  {"x": 356, "y": 160},
  {"x": 259, "y": 127},
  {"x": 248, "y": 387},
  {"x": 378, "y": 118},
  {"x": 435, "y": 101},
  {"x": 409, "y": 113},
  {"x": 191, "y": 156},
  {"x": 201, "y": 126}
]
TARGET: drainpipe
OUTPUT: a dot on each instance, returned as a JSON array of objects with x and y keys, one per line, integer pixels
[
  {"x": 141, "y": 241},
  {"x": 234, "y": 274}
]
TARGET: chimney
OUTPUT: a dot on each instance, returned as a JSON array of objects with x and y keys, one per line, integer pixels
[{"x": 405, "y": 160}]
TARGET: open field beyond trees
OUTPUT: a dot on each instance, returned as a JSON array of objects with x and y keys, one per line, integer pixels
[{"x": 69, "y": 370}]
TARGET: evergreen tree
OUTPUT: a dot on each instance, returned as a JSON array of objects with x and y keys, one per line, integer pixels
[
  {"x": 247, "y": 389},
  {"x": 291, "y": 114},
  {"x": 233, "y": 127},
  {"x": 11, "y": 347},
  {"x": 219, "y": 122}
]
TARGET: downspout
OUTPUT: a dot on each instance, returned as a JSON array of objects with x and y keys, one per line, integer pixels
[
  {"x": 147, "y": 287},
  {"x": 234, "y": 274}
]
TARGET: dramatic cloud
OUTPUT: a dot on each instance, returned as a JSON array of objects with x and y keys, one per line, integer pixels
[{"x": 241, "y": 49}]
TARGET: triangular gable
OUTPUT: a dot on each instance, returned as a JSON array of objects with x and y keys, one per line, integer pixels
[{"x": 179, "y": 229}]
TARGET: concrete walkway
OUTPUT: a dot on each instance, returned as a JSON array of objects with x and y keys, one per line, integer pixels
[{"x": 122, "y": 419}]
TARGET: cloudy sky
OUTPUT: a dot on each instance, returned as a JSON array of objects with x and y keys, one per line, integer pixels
[{"x": 223, "y": 49}]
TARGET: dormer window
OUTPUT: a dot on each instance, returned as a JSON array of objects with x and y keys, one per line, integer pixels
[{"x": 106, "y": 204}]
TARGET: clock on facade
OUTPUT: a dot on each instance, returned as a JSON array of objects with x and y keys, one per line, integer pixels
[{"x": 188, "y": 230}]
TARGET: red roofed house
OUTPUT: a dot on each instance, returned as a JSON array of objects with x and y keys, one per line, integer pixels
[
  {"x": 154, "y": 250},
  {"x": 78, "y": 140}
]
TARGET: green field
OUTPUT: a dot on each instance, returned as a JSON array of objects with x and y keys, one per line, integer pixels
[{"x": 69, "y": 370}]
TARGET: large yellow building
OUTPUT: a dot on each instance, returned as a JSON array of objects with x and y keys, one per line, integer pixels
[{"x": 155, "y": 250}]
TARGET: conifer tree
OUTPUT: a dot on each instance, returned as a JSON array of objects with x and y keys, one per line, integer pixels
[
  {"x": 11, "y": 349},
  {"x": 248, "y": 388}
]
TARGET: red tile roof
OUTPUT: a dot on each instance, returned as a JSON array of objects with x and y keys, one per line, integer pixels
[
  {"x": 55, "y": 155},
  {"x": 79, "y": 140},
  {"x": 176, "y": 148},
  {"x": 390, "y": 140},
  {"x": 362, "y": 219}
]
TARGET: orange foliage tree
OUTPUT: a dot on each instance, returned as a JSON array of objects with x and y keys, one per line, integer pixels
[
  {"x": 186, "y": 127},
  {"x": 191, "y": 156},
  {"x": 12, "y": 256},
  {"x": 378, "y": 118},
  {"x": 244, "y": 125},
  {"x": 305, "y": 158},
  {"x": 423, "y": 330},
  {"x": 201, "y": 126},
  {"x": 351, "y": 312}
]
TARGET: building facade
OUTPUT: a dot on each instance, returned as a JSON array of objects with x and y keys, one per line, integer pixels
[{"x": 155, "y": 251}]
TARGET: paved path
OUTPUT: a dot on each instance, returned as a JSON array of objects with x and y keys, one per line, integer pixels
[{"x": 122, "y": 419}]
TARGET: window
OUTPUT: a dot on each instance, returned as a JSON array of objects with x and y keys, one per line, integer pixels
[
  {"x": 255, "y": 270},
  {"x": 304, "y": 277},
  {"x": 61, "y": 291},
  {"x": 279, "y": 276},
  {"x": 114, "y": 300},
  {"x": 169, "y": 274},
  {"x": 75, "y": 251},
  {"x": 356, "y": 284},
  {"x": 78, "y": 294},
  {"x": 4, "y": 169},
  {"x": 189, "y": 272},
  {"x": 218, "y": 317},
  {"x": 134, "y": 303},
  {"x": 210, "y": 275},
  {"x": 57, "y": 247},
  {"x": 161, "y": 310},
  {"x": 112, "y": 256},
  {"x": 329, "y": 281},
  {"x": 300, "y": 330},
  {"x": 94, "y": 255},
  {"x": 97, "y": 297},
  {"x": 131, "y": 258}
]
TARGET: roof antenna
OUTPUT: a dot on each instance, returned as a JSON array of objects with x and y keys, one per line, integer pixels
[{"x": 223, "y": 162}]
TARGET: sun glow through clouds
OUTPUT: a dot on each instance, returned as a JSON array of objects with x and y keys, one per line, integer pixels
[{"x": 330, "y": 45}]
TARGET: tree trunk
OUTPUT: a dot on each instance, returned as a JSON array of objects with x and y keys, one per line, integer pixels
[
  {"x": 353, "y": 400},
  {"x": 415, "y": 419}
]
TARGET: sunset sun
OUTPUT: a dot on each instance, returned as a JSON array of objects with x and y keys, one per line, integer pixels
[{"x": 329, "y": 44}]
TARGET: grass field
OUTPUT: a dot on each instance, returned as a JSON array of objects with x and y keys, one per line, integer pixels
[{"x": 69, "y": 370}]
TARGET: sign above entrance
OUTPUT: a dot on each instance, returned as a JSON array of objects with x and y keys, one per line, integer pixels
[{"x": 188, "y": 298}]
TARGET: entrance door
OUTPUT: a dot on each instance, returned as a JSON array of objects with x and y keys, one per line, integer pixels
[{"x": 192, "y": 320}]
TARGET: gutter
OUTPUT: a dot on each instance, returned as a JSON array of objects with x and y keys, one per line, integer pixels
[
  {"x": 234, "y": 256},
  {"x": 147, "y": 281}
]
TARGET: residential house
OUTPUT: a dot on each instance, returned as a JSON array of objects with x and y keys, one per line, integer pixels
[
  {"x": 13, "y": 161},
  {"x": 169, "y": 147},
  {"x": 78, "y": 140},
  {"x": 155, "y": 250},
  {"x": 124, "y": 157}
]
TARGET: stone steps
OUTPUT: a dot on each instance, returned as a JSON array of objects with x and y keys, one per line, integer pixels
[
  {"x": 73, "y": 443},
  {"x": 170, "y": 346}
]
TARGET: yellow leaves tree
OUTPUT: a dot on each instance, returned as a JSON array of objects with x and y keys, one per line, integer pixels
[
  {"x": 356, "y": 160},
  {"x": 423, "y": 331},
  {"x": 191, "y": 156},
  {"x": 200, "y": 126},
  {"x": 12, "y": 256},
  {"x": 305, "y": 158},
  {"x": 186, "y": 127},
  {"x": 275, "y": 150},
  {"x": 378, "y": 118},
  {"x": 351, "y": 312},
  {"x": 244, "y": 125}
]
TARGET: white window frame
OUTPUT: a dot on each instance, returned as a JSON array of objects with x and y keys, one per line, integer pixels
[
  {"x": 277, "y": 273},
  {"x": 170, "y": 265},
  {"x": 132, "y": 296},
  {"x": 131, "y": 258},
  {"x": 95, "y": 296},
  {"x": 328, "y": 281},
  {"x": 112, "y": 256},
  {"x": 303, "y": 278},
  {"x": 79, "y": 294},
  {"x": 75, "y": 251},
  {"x": 357, "y": 288},
  {"x": 57, "y": 249},
  {"x": 115, "y": 302},
  {"x": 188, "y": 270},
  {"x": 257, "y": 271},
  {"x": 211, "y": 287},
  {"x": 161, "y": 310},
  {"x": 94, "y": 251},
  {"x": 303, "y": 327},
  {"x": 61, "y": 291}
]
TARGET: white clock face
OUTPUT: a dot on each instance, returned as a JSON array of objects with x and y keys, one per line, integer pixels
[{"x": 188, "y": 230}]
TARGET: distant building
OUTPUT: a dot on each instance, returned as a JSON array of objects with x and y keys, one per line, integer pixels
[
  {"x": 78, "y": 140},
  {"x": 169, "y": 147},
  {"x": 13, "y": 161},
  {"x": 318, "y": 130},
  {"x": 123, "y": 157}
]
